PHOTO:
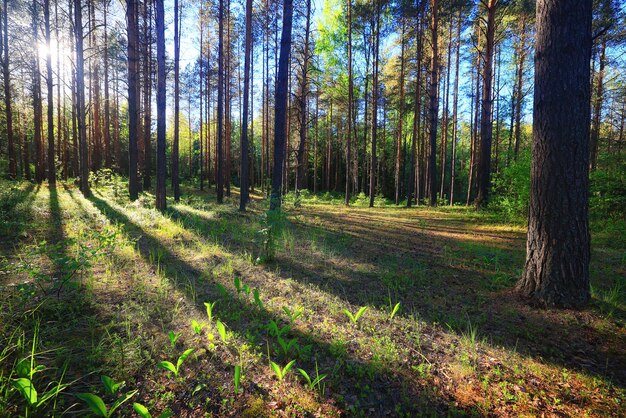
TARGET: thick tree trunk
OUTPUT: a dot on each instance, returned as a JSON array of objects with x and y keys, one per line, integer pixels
[
  {"x": 133, "y": 97},
  {"x": 558, "y": 247},
  {"x": 280, "y": 119}
]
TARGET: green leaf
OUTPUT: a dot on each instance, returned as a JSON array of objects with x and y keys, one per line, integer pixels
[
  {"x": 306, "y": 376},
  {"x": 209, "y": 310},
  {"x": 347, "y": 312},
  {"x": 277, "y": 370},
  {"x": 168, "y": 366},
  {"x": 237, "y": 377},
  {"x": 221, "y": 329},
  {"x": 288, "y": 366},
  {"x": 166, "y": 414},
  {"x": 26, "y": 388},
  {"x": 173, "y": 337},
  {"x": 395, "y": 309},
  {"x": 183, "y": 357},
  {"x": 110, "y": 386},
  {"x": 359, "y": 313},
  {"x": 95, "y": 403},
  {"x": 196, "y": 326},
  {"x": 141, "y": 410},
  {"x": 121, "y": 400},
  {"x": 257, "y": 298},
  {"x": 237, "y": 282}
]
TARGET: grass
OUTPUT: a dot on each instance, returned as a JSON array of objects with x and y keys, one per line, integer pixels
[{"x": 461, "y": 344}]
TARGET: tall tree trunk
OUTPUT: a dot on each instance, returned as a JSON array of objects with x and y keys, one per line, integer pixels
[
  {"x": 133, "y": 97},
  {"x": 455, "y": 126},
  {"x": 50, "y": 87},
  {"x": 302, "y": 168},
  {"x": 486, "y": 118},
  {"x": 220, "y": 106},
  {"x": 107, "y": 104},
  {"x": 350, "y": 106},
  {"x": 597, "y": 107},
  {"x": 95, "y": 105},
  {"x": 519, "y": 95},
  {"x": 445, "y": 122},
  {"x": 558, "y": 246},
  {"x": 280, "y": 119},
  {"x": 400, "y": 119},
  {"x": 37, "y": 111},
  {"x": 434, "y": 108},
  {"x": 175, "y": 143},
  {"x": 227, "y": 103},
  {"x": 80, "y": 101},
  {"x": 161, "y": 201},
  {"x": 416, "y": 115},
  {"x": 4, "y": 55},
  {"x": 373, "y": 164},
  {"x": 243, "y": 190},
  {"x": 147, "y": 97}
]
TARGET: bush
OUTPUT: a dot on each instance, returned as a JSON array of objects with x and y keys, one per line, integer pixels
[{"x": 512, "y": 188}]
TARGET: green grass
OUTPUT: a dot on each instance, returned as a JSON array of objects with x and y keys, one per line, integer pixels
[{"x": 109, "y": 280}]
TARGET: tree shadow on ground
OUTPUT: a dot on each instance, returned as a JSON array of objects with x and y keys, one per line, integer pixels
[{"x": 378, "y": 388}]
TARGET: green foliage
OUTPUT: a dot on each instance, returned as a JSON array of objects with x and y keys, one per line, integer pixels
[
  {"x": 607, "y": 197},
  {"x": 355, "y": 317},
  {"x": 273, "y": 224},
  {"x": 197, "y": 327},
  {"x": 144, "y": 413},
  {"x": 394, "y": 311},
  {"x": 221, "y": 329},
  {"x": 257, "y": 299},
  {"x": 237, "y": 377},
  {"x": 97, "y": 405},
  {"x": 173, "y": 337},
  {"x": 209, "y": 310},
  {"x": 512, "y": 188},
  {"x": 175, "y": 369},
  {"x": 281, "y": 372},
  {"x": 292, "y": 315}
]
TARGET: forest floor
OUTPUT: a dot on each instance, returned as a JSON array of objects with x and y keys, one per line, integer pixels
[{"x": 92, "y": 287}]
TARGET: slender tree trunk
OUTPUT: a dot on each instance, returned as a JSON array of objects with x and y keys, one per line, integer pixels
[
  {"x": 4, "y": 54},
  {"x": 445, "y": 122},
  {"x": 373, "y": 163},
  {"x": 414, "y": 174},
  {"x": 558, "y": 245},
  {"x": 434, "y": 107},
  {"x": 80, "y": 101},
  {"x": 147, "y": 97},
  {"x": 50, "y": 87},
  {"x": 220, "y": 106},
  {"x": 133, "y": 98},
  {"x": 400, "y": 118},
  {"x": 243, "y": 191},
  {"x": 597, "y": 107},
  {"x": 350, "y": 106},
  {"x": 455, "y": 127},
  {"x": 486, "y": 118},
  {"x": 107, "y": 104},
  {"x": 175, "y": 143},
  {"x": 281, "y": 106},
  {"x": 521, "y": 57},
  {"x": 161, "y": 201},
  {"x": 302, "y": 168}
]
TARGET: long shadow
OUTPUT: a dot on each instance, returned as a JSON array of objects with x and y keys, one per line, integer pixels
[
  {"x": 460, "y": 296},
  {"x": 392, "y": 387}
]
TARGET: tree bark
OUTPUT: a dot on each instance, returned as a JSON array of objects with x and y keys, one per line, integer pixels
[
  {"x": 220, "y": 106},
  {"x": 161, "y": 201},
  {"x": 434, "y": 108},
  {"x": 4, "y": 55},
  {"x": 175, "y": 143},
  {"x": 243, "y": 190},
  {"x": 558, "y": 245},
  {"x": 373, "y": 163},
  {"x": 80, "y": 101},
  {"x": 133, "y": 97},
  {"x": 281, "y": 106}
]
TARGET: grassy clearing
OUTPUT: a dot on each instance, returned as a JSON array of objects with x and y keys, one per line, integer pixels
[{"x": 104, "y": 286}]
